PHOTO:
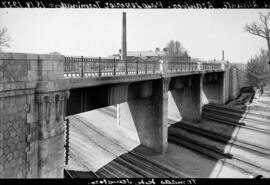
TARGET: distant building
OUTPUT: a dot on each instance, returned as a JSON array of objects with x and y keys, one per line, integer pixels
[
  {"x": 151, "y": 55},
  {"x": 55, "y": 53},
  {"x": 145, "y": 55},
  {"x": 140, "y": 55}
]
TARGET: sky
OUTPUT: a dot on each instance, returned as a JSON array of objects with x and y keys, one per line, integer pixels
[{"x": 98, "y": 32}]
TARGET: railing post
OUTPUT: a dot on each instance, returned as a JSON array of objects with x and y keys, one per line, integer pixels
[
  {"x": 145, "y": 67},
  {"x": 137, "y": 67},
  {"x": 154, "y": 64},
  {"x": 82, "y": 68},
  {"x": 114, "y": 70},
  {"x": 99, "y": 69},
  {"x": 65, "y": 72},
  {"x": 223, "y": 67}
]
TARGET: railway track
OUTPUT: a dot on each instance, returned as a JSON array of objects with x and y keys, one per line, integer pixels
[
  {"x": 212, "y": 139},
  {"x": 71, "y": 174},
  {"x": 224, "y": 136},
  {"x": 237, "y": 113},
  {"x": 234, "y": 155},
  {"x": 234, "y": 109},
  {"x": 131, "y": 164},
  {"x": 231, "y": 117}
]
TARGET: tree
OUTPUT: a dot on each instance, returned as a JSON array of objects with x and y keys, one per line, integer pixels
[
  {"x": 4, "y": 38},
  {"x": 261, "y": 29},
  {"x": 175, "y": 52},
  {"x": 258, "y": 69}
]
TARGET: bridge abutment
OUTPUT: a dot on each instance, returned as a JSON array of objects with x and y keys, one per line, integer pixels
[
  {"x": 33, "y": 94},
  {"x": 52, "y": 93}
]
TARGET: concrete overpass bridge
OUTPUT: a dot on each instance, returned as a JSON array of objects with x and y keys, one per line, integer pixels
[{"x": 38, "y": 91}]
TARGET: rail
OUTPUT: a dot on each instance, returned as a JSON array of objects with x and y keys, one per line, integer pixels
[{"x": 81, "y": 67}]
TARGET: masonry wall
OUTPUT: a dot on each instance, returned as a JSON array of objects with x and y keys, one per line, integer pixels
[
  {"x": 21, "y": 84},
  {"x": 18, "y": 123}
]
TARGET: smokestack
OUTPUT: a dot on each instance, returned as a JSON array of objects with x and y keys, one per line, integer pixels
[
  {"x": 124, "y": 38},
  {"x": 222, "y": 54}
]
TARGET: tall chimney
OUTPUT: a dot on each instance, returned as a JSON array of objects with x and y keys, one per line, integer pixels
[
  {"x": 124, "y": 38},
  {"x": 222, "y": 54}
]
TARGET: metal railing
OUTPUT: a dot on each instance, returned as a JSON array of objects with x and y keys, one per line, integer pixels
[
  {"x": 180, "y": 67},
  {"x": 79, "y": 67},
  {"x": 211, "y": 66}
]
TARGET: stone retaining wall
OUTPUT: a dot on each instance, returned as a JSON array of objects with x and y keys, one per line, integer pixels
[{"x": 24, "y": 77}]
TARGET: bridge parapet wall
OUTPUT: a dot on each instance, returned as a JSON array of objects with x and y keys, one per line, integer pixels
[{"x": 24, "y": 80}]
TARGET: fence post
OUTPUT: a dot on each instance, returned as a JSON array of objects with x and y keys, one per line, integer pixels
[
  {"x": 99, "y": 69},
  {"x": 114, "y": 67},
  {"x": 82, "y": 68}
]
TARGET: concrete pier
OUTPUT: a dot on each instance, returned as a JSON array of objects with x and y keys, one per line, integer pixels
[
  {"x": 214, "y": 87},
  {"x": 185, "y": 102},
  {"x": 148, "y": 117}
]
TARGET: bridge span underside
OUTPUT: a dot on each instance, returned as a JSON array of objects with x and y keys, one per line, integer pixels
[{"x": 144, "y": 106}]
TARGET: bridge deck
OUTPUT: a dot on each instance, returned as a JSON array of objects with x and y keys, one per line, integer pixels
[{"x": 103, "y": 80}]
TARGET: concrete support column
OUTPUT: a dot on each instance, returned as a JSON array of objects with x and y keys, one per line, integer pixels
[
  {"x": 148, "y": 117},
  {"x": 51, "y": 134},
  {"x": 223, "y": 87},
  {"x": 186, "y": 103},
  {"x": 234, "y": 88}
]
